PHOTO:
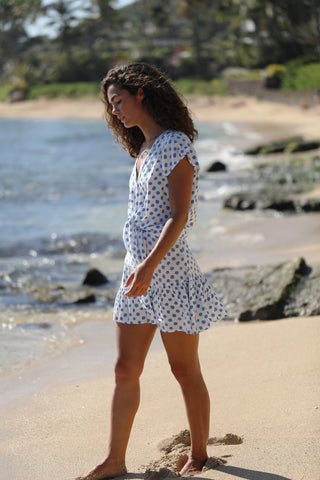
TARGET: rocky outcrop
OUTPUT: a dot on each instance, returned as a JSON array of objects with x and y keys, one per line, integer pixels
[
  {"x": 267, "y": 201},
  {"x": 290, "y": 145},
  {"x": 269, "y": 292},
  {"x": 282, "y": 184},
  {"x": 263, "y": 292}
]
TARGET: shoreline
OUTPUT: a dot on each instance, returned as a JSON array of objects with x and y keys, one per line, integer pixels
[{"x": 260, "y": 114}]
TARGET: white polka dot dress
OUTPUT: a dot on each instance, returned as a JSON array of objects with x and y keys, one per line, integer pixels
[{"x": 179, "y": 297}]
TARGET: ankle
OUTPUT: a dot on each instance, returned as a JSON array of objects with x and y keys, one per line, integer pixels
[
  {"x": 114, "y": 460},
  {"x": 198, "y": 457}
]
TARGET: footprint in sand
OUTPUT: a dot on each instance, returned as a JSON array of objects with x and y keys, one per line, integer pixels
[{"x": 175, "y": 453}]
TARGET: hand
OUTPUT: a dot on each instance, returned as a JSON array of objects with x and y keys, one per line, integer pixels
[{"x": 139, "y": 280}]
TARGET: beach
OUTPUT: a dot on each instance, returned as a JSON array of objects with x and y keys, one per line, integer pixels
[{"x": 263, "y": 377}]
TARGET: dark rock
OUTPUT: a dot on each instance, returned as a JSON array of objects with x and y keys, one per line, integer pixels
[
  {"x": 262, "y": 292},
  {"x": 279, "y": 184},
  {"x": 281, "y": 205},
  {"x": 88, "y": 299},
  {"x": 94, "y": 278},
  {"x": 309, "y": 204},
  {"x": 266, "y": 201},
  {"x": 273, "y": 147},
  {"x": 245, "y": 316},
  {"x": 306, "y": 146},
  {"x": 217, "y": 167},
  {"x": 290, "y": 145}
]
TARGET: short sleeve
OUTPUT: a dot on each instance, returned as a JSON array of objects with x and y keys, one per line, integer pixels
[{"x": 176, "y": 145}]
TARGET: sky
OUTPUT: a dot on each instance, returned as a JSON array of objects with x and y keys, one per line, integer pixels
[{"x": 40, "y": 27}]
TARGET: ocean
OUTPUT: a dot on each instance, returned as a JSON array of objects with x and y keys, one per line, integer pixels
[{"x": 63, "y": 202}]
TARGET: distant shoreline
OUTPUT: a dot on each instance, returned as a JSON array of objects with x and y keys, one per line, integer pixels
[{"x": 295, "y": 120}]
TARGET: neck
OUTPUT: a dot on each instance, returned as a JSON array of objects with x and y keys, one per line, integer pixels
[{"x": 150, "y": 129}]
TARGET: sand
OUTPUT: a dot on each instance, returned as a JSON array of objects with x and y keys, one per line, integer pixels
[
  {"x": 264, "y": 384},
  {"x": 263, "y": 377}
]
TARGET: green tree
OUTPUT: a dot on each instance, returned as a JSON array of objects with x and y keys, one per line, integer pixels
[
  {"x": 63, "y": 15},
  {"x": 13, "y": 15},
  {"x": 286, "y": 29}
]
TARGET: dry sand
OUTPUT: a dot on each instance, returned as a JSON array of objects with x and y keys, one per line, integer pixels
[{"x": 263, "y": 377}]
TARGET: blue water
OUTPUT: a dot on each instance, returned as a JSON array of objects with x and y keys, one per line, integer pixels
[{"x": 63, "y": 202}]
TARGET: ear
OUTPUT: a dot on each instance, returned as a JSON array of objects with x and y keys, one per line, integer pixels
[{"x": 140, "y": 93}]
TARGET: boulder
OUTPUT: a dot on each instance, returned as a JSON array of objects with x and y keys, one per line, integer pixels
[
  {"x": 262, "y": 292},
  {"x": 217, "y": 167},
  {"x": 94, "y": 278}
]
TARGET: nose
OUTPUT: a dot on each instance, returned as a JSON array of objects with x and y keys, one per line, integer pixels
[{"x": 115, "y": 110}]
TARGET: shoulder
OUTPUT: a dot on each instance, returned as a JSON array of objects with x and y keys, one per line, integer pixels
[
  {"x": 177, "y": 139},
  {"x": 176, "y": 135}
]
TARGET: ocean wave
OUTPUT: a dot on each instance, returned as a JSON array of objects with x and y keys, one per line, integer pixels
[{"x": 63, "y": 244}]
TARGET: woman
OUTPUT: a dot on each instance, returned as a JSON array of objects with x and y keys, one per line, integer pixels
[{"x": 161, "y": 286}]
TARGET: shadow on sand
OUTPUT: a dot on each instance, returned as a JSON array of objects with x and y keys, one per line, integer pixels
[
  {"x": 245, "y": 473},
  {"x": 227, "y": 469}
]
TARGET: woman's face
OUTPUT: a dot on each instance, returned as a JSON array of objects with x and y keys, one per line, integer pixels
[{"x": 128, "y": 108}]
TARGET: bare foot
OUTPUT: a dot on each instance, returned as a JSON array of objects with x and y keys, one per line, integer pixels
[
  {"x": 192, "y": 467},
  {"x": 105, "y": 471}
]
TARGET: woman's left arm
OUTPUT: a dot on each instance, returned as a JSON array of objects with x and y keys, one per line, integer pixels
[{"x": 180, "y": 183}]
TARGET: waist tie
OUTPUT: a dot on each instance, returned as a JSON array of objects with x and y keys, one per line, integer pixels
[{"x": 139, "y": 240}]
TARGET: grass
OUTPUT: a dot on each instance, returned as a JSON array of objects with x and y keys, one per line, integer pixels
[
  {"x": 55, "y": 90},
  {"x": 4, "y": 92},
  {"x": 71, "y": 90},
  {"x": 190, "y": 86},
  {"x": 185, "y": 86}
]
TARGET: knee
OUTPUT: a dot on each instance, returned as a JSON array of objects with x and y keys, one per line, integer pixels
[
  {"x": 184, "y": 374},
  {"x": 125, "y": 370}
]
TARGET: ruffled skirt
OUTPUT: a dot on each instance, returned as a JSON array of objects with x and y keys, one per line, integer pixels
[{"x": 179, "y": 298}]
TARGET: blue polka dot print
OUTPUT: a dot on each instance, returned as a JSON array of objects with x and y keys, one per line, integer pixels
[{"x": 179, "y": 297}]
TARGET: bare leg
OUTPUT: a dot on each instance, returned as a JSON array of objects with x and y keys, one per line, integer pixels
[
  {"x": 182, "y": 351},
  {"x": 133, "y": 342}
]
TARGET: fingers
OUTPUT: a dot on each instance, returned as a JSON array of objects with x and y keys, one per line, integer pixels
[
  {"x": 136, "y": 287},
  {"x": 130, "y": 278},
  {"x": 136, "y": 290},
  {"x": 139, "y": 281}
]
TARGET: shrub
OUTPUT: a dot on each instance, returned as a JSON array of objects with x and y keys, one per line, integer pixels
[
  {"x": 73, "y": 90},
  {"x": 5, "y": 90},
  {"x": 302, "y": 77},
  {"x": 275, "y": 75},
  {"x": 189, "y": 86}
]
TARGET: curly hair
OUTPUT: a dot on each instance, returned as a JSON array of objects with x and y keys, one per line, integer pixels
[{"x": 160, "y": 98}]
